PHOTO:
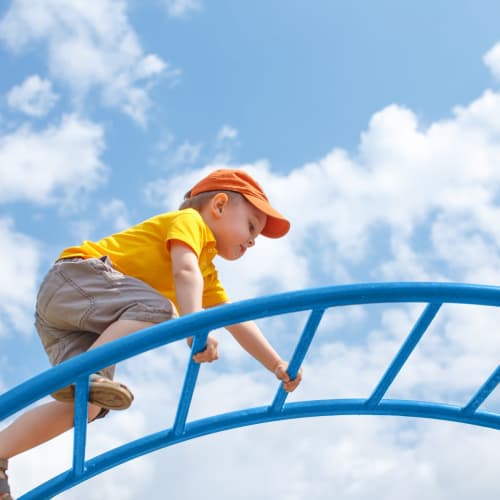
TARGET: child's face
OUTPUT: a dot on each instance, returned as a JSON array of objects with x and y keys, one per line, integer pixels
[{"x": 236, "y": 226}]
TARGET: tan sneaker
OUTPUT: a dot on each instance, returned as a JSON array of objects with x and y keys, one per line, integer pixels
[{"x": 103, "y": 392}]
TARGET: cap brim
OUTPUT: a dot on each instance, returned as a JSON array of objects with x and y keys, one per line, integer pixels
[{"x": 276, "y": 225}]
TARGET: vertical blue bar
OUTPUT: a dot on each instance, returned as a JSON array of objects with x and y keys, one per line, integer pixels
[
  {"x": 80, "y": 420},
  {"x": 298, "y": 356},
  {"x": 190, "y": 378},
  {"x": 414, "y": 337}
]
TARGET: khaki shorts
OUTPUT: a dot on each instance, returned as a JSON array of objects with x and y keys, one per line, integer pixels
[{"x": 80, "y": 298}]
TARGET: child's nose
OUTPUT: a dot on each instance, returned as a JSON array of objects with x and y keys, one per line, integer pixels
[{"x": 250, "y": 242}]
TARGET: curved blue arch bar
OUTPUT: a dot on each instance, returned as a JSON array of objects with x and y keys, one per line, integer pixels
[{"x": 317, "y": 301}]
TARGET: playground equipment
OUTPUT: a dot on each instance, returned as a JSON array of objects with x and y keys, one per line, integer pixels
[{"x": 316, "y": 301}]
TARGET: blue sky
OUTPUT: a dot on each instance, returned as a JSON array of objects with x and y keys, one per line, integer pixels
[{"x": 373, "y": 125}]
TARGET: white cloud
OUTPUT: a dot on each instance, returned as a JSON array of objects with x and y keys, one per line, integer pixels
[
  {"x": 179, "y": 155},
  {"x": 185, "y": 153},
  {"x": 89, "y": 46},
  {"x": 225, "y": 144},
  {"x": 405, "y": 178},
  {"x": 176, "y": 155},
  {"x": 227, "y": 133},
  {"x": 182, "y": 8},
  {"x": 116, "y": 212},
  {"x": 33, "y": 97},
  {"x": 492, "y": 60},
  {"x": 20, "y": 258},
  {"x": 58, "y": 164}
]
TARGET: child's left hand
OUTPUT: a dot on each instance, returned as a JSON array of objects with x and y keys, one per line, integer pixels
[{"x": 282, "y": 374}]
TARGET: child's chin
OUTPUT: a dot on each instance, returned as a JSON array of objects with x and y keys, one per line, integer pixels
[{"x": 230, "y": 257}]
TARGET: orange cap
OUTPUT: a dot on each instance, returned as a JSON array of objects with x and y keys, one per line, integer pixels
[{"x": 240, "y": 182}]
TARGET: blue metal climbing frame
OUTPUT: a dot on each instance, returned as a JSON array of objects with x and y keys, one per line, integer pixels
[{"x": 317, "y": 301}]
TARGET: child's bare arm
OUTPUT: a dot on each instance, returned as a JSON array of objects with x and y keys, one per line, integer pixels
[
  {"x": 188, "y": 283},
  {"x": 250, "y": 337},
  {"x": 188, "y": 280}
]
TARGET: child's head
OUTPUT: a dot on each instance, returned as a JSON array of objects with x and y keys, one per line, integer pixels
[{"x": 235, "y": 182}]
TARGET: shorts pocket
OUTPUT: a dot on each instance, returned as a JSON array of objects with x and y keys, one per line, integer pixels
[
  {"x": 62, "y": 301},
  {"x": 104, "y": 268},
  {"x": 50, "y": 286}
]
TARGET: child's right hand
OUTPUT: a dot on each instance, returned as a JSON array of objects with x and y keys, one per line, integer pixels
[{"x": 210, "y": 353}]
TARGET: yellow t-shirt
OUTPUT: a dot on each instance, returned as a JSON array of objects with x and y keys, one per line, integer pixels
[{"x": 142, "y": 251}]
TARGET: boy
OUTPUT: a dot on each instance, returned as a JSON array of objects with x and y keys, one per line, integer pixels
[{"x": 152, "y": 272}]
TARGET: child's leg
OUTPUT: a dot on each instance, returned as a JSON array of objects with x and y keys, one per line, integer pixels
[
  {"x": 144, "y": 304},
  {"x": 38, "y": 426},
  {"x": 48, "y": 421},
  {"x": 119, "y": 329}
]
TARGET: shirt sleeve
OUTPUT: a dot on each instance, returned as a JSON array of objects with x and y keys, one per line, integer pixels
[
  {"x": 187, "y": 227},
  {"x": 213, "y": 291}
]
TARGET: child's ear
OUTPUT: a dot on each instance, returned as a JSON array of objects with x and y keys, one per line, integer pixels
[{"x": 218, "y": 204}]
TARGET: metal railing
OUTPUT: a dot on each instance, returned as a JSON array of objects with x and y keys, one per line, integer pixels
[{"x": 316, "y": 301}]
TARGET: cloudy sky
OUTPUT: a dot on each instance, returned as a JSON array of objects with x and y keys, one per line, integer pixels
[{"x": 373, "y": 125}]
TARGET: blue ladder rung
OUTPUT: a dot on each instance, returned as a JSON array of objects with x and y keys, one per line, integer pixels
[
  {"x": 190, "y": 378},
  {"x": 298, "y": 356},
  {"x": 80, "y": 430},
  {"x": 402, "y": 356},
  {"x": 484, "y": 391}
]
